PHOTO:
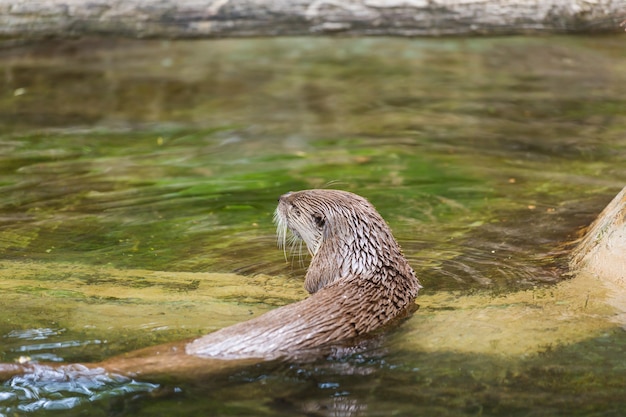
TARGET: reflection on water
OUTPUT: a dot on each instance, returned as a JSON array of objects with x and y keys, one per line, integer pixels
[{"x": 131, "y": 169}]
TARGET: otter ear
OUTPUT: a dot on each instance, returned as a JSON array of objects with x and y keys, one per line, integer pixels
[
  {"x": 322, "y": 223},
  {"x": 319, "y": 219}
]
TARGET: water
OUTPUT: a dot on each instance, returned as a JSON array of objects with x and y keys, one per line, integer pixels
[{"x": 138, "y": 181}]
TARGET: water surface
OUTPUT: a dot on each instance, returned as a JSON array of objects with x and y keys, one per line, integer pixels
[{"x": 138, "y": 181}]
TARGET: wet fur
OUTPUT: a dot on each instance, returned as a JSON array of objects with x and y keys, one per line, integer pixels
[{"x": 358, "y": 276}]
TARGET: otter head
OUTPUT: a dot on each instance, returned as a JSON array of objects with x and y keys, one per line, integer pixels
[{"x": 345, "y": 235}]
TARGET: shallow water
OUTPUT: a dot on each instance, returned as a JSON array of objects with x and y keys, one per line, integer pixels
[{"x": 138, "y": 181}]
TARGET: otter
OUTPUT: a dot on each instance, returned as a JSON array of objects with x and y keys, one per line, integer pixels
[{"x": 358, "y": 277}]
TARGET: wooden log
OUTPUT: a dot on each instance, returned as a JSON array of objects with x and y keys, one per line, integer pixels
[
  {"x": 236, "y": 18},
  {"x": 602, "y": 251}
]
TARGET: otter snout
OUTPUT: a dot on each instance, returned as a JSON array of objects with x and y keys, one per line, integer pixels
[{"x": 284, "y": 196}]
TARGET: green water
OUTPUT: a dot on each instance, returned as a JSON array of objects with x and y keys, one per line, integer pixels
[{"x": 484, "y": 155}]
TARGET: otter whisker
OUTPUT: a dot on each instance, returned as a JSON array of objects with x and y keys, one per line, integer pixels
[
  {"x": 333, "y": 183},
  {"x": 286, "y": 239},
  {"x": 295, "y": 246},
  {"x": 300, "y": 257},
  {"x": 283, "y": 240},
  {"x": 281, "y": 232}
]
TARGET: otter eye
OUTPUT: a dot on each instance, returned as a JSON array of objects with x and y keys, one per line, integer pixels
[{"x": 319, "y": 220}]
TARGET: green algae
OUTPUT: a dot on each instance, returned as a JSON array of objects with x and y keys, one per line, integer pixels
[
  {"x": 115, "y": 218},
  {"x": 138, "y": 176}
]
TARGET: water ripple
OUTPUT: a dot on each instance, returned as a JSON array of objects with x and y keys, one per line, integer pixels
[
  {"x": 64, "y": 388},
  {"x": 34, "y": 334}
]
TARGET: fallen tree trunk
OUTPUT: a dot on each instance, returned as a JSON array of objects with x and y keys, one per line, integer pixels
[
  {"x": 235, "y": 18},
  {"x": 602, "y": 251}
]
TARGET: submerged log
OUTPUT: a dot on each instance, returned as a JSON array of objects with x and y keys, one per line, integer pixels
[
  {"x": 602, "y": 251},
  {"x": 233, "y": 18},
  {"x": 515, "y": 324}
]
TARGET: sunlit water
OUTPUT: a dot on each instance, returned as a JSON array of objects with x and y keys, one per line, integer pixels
[{"x": 130, "y": 168}]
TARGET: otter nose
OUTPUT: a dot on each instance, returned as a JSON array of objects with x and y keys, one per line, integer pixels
[{"x": 282, "y": 197}]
